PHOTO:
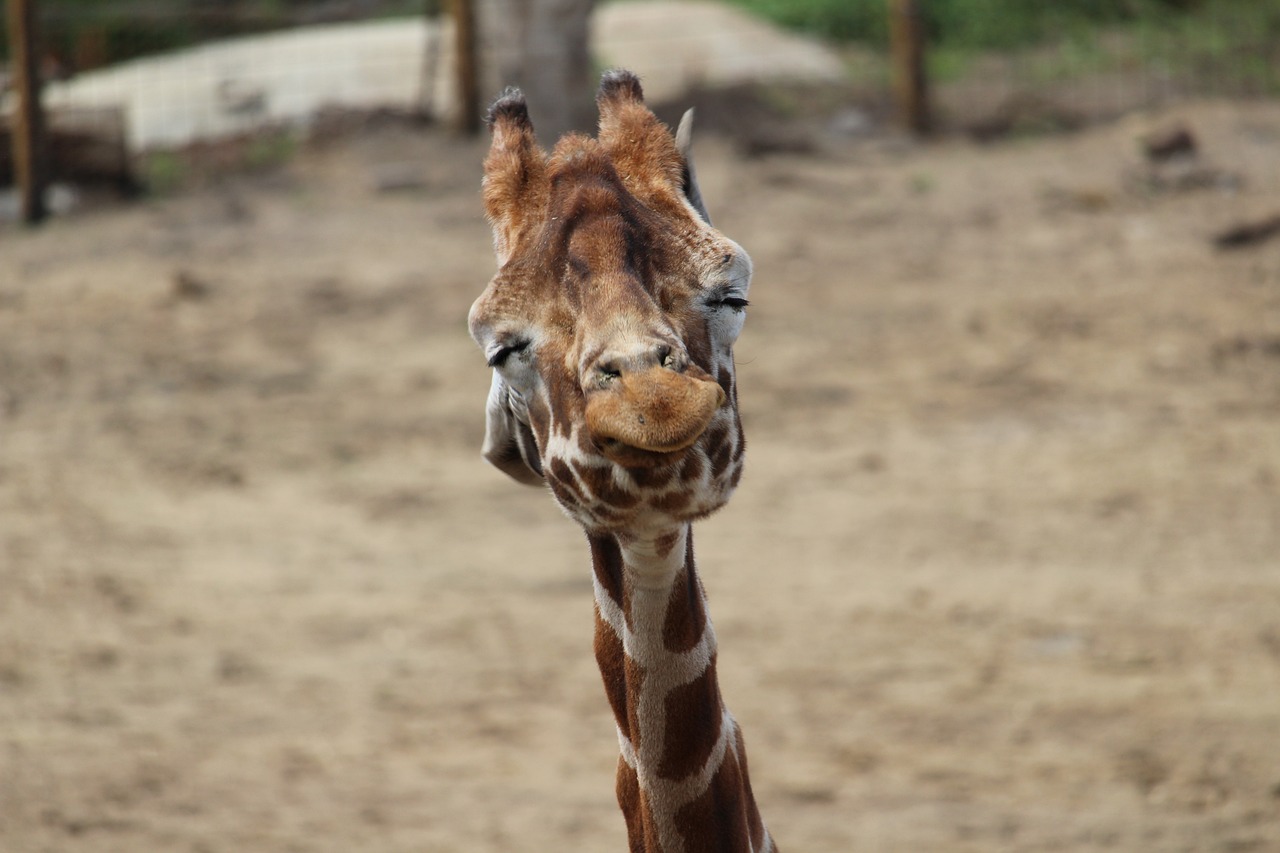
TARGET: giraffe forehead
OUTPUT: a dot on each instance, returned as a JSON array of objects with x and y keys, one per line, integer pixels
[
  {"x": 602, "y": 257},
  {"x": 601, "y": 266},
  {"x": 621, "y": 215}
]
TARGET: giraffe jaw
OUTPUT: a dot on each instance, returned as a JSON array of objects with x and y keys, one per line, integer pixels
[{"x": 636, "y": 457}]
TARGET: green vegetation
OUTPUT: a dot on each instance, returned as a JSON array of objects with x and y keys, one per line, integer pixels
[
  {"x": 162, "y": 172},
  {"x": 82, "y": 34},
  {"x": 270, "y": 150},
  {"x": 1238, "y": 39},
  {"x": 168, "y": 171},
  {"x": 1235, "y": 39},
  {"x": 995, "y": 24}
]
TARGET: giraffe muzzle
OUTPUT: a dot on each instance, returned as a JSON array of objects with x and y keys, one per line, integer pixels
[{"x": 657, "y": 410}]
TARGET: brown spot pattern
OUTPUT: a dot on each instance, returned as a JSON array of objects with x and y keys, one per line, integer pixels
[
  {"x": 562, "y": 494},
  {"x": 736, "y": 478},
  {"x": 612, "y": 662},
  {"x": 628, "y": 790},
  {"x": 666, "y": 543},
  {"x": 599, "y": 481},
  {"x": 606, "y": 561},
  {"x": 586, "y": 445},
  {"x": 716, "y": 436},
  {"x": 692, "y": 469},
  {"x": 652, "y": 478},
  {"x": 686, "y": 618},
  {"x": 716, "y": 822},
  {"x": 754, "y": 822},
  {"x": 672, "y": 502},
  {"x": 725, "y": 377},
  {"x": 563, "y": 481},
  {"x": 693, "y": 713},
  {"x": 720, "y": 460},
  {"x": 634, "y": 674}
]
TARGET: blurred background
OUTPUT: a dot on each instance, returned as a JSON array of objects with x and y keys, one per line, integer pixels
[
  {"x": 151, "y": 74},
  {"x": 1004, "y": 569}
]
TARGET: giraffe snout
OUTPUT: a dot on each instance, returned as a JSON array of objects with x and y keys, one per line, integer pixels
[
  {"x": 656, "y": 408},
  {"x": 612, "y": 365}
]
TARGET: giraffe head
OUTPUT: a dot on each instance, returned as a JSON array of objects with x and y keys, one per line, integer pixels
[{"x": 611, "y": 321}]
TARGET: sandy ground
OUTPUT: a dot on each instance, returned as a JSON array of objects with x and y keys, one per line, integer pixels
[{"x": 1004, "y": 572}]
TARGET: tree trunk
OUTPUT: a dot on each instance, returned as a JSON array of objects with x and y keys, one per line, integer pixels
[
  {"x": 910, "y": 82},
  {"x": 28, "y": 127},
  {"x": 467, "y": 119},
  {"x": 542, "y": 47}
]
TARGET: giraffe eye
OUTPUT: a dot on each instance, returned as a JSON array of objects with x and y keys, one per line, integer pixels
[
  {"x": 737, "y": 303},
  {"x": 505, "y": 351}
]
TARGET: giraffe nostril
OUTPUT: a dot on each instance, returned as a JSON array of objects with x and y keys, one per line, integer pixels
[
  {"x": 606, "y": 372},
  {"x": 610, "y": 367},
  {"x": 671, "y": 358}
]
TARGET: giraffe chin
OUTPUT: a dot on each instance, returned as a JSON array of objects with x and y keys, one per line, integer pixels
[
  {"x": 651, "y": 418},
  {"x": 636, "y": 457}
]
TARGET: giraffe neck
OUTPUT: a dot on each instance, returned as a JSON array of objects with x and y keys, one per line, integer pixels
[{"x": 682, "y": 776}]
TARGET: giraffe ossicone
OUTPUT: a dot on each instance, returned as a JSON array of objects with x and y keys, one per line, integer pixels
[{"x": 610, "y": 327}]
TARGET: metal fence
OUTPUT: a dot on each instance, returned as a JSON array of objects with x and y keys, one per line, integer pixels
[
  {"x": 159, "y": 73},
  {"x": 1088, "y": 76},
  {"x": 182, "y": 72}
]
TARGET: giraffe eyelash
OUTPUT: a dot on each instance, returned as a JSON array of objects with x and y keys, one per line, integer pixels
[
  {"x": 726, "y": 295},
  {"x": 505, "y": 351},
  {"x": 722, "y": 300}
]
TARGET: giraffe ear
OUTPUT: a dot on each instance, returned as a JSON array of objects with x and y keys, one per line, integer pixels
[
  {"x": 508, "y": 441},
  {"x": 684, "y": 144},
  {"x": 640, "y": 145},
  {"x": 515, "y": 174}
]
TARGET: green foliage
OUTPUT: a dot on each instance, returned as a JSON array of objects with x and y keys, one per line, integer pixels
[
  {"x": 1235, "y": 44},
  {"x": 270, "y": 150},
  {"x": 163, "y": 172},
  {"x": 118, "y": 30},
  {"x": 994, "y": 24},
  {"x": 166, "y": 172},
  {"x": 1243, "y": 34},
  {"x": 841, "y": 20}
]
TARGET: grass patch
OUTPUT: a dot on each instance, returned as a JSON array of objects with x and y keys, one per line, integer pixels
[
  {"x": 163, "y": 172},
  {"x": 1233, "y": 44},
  {"x": 1001, "y": 25},
  {"x": 200, "y": 164}
]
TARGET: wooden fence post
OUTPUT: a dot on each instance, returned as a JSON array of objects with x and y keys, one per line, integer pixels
[
  {"x": 467, "y": 120},
  {"x": 910, "y": 81},
  {"x": 28, "y": 121}
]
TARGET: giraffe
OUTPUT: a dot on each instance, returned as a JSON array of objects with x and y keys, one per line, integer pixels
[{"x": 610, "y": 327}]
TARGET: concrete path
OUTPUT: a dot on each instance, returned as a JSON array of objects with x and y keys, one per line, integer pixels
[{"x": 228, "y": 87}]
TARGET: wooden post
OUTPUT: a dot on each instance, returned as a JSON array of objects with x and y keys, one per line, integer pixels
[
  {"x": 28, "y": 121},
  {"x": 910, "y": 82},
  {"x": 425, "y": 104},
  {"x": 467, "y": 120}
]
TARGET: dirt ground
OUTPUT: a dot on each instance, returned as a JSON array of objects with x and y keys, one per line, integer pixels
[{"x": 1003, "y": 573}]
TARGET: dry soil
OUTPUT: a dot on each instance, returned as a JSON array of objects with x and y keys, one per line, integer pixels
[{"x": 1003, "y": 574}]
